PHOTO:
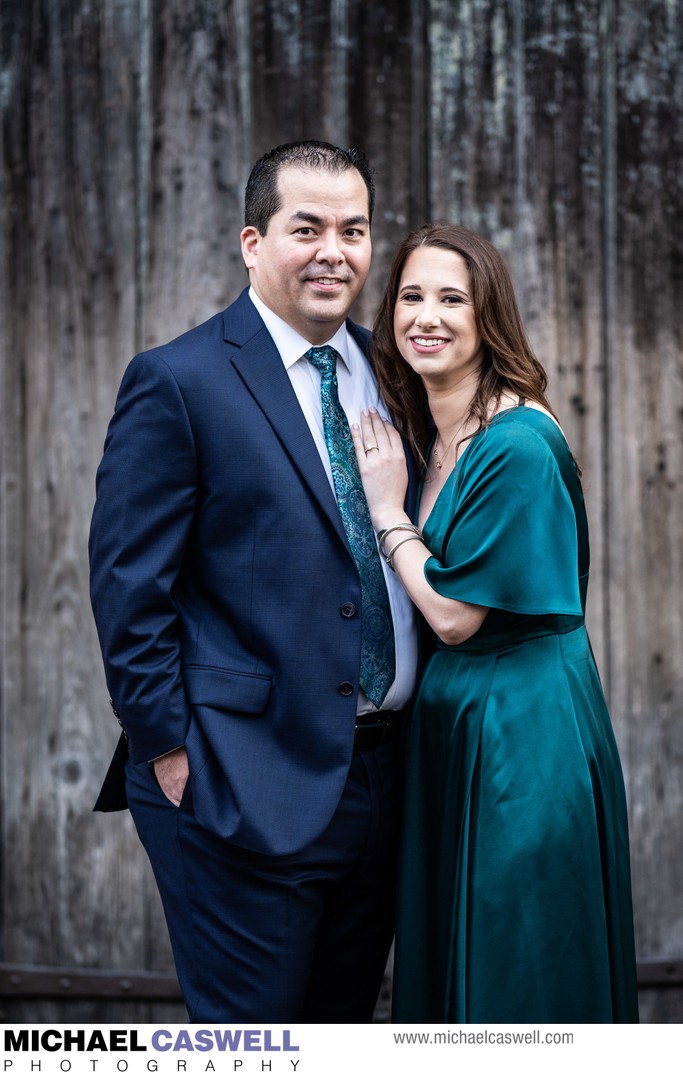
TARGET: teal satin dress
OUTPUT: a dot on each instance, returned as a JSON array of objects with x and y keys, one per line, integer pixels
[{"x": 514, "y": 893}]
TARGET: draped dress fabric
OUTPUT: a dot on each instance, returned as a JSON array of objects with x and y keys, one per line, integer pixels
[{"x": 515, "y": 892}]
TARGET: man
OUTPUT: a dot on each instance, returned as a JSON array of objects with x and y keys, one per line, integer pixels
[{"x": 246, "y": 621}]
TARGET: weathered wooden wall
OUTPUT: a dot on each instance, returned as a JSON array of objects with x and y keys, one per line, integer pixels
[{"x": 129, "y": 129}]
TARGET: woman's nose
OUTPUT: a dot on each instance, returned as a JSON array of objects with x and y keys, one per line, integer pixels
[{"x": 428, "y": 315}]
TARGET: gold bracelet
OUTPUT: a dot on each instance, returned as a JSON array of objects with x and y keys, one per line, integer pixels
[{"x": 410, "y": 538}]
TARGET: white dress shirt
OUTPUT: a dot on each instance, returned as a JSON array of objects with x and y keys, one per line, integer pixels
[{"x": 357, "y": 390}]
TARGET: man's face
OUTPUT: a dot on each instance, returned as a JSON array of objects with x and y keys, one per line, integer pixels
[{"x": 315, "y": 256}]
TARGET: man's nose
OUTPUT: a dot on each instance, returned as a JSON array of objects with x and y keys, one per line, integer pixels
[{"x": 329, "y": 248}]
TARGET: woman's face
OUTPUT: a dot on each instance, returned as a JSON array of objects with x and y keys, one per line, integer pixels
[{"x": 434, "y": 319}]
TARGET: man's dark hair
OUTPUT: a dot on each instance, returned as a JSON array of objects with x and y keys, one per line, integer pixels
[{"x": 262, "y": 198}]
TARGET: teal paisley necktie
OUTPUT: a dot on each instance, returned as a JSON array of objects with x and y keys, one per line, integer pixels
[{"x": 378, "y": 654}]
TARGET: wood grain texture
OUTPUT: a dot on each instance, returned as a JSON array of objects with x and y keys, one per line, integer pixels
[{"x": 129, "y": 130}]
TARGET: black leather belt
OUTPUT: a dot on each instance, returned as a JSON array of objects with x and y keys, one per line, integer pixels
[{"x": 373, "y": 730}]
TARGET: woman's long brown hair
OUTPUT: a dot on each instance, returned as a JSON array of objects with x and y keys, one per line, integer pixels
[{"x": 509, "y": 363}]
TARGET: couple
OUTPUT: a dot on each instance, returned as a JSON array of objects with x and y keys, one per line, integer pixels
[{"x": 261, "y": 643}]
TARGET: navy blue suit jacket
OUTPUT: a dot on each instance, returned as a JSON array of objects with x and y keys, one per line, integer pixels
[{"x": 219, "y": 568}]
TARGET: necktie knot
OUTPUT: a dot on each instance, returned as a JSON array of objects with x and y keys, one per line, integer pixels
[{"x": 324, "y": 359}]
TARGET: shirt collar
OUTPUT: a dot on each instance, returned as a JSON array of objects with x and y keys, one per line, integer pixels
[{"x": 291, "y": 345}]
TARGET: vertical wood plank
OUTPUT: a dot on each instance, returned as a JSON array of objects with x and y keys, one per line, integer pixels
[
  {"x": 73, "y": 885},
  {"x": 199, "y": 146},
  {"x": 646, "y": 455}
]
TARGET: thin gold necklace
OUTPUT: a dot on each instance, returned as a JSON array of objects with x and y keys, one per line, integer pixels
[{"x": 440, "y": 462}]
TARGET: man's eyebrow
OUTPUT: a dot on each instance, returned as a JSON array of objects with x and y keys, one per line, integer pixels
[
  {"x": 312, "y": 218},
  {"x": 360, "y": 218}
]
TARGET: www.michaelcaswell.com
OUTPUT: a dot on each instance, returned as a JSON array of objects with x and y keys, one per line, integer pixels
[{"x": 484, "y": 1037}]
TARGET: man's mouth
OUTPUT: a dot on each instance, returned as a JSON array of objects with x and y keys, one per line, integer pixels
[{"x": 327, "y": 281}]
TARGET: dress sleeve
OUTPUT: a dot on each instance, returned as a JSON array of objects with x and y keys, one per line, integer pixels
[{"x": 511, "y": 541}]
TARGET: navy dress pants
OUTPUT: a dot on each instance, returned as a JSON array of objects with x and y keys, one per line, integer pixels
[{"x": 298, "y": 938}]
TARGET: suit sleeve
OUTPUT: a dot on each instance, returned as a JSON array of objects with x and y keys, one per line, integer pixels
[{"x": 146, "y": 494}]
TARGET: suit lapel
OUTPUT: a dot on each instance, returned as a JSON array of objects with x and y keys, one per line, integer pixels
[{"x": 260, "y": 367}]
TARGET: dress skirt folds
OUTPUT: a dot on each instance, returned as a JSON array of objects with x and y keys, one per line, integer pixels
[{"x": 515, "y": 894}]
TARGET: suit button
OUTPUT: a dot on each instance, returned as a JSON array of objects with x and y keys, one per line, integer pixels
[
  {"x": 346, "y": 688},
  {"x": 348, "y": 609}
]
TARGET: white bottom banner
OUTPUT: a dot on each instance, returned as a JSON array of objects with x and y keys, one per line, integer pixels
[{"x": 333, "y": 1049}]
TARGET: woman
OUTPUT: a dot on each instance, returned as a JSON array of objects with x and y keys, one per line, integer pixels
[{"x": 515, "y": 901}]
